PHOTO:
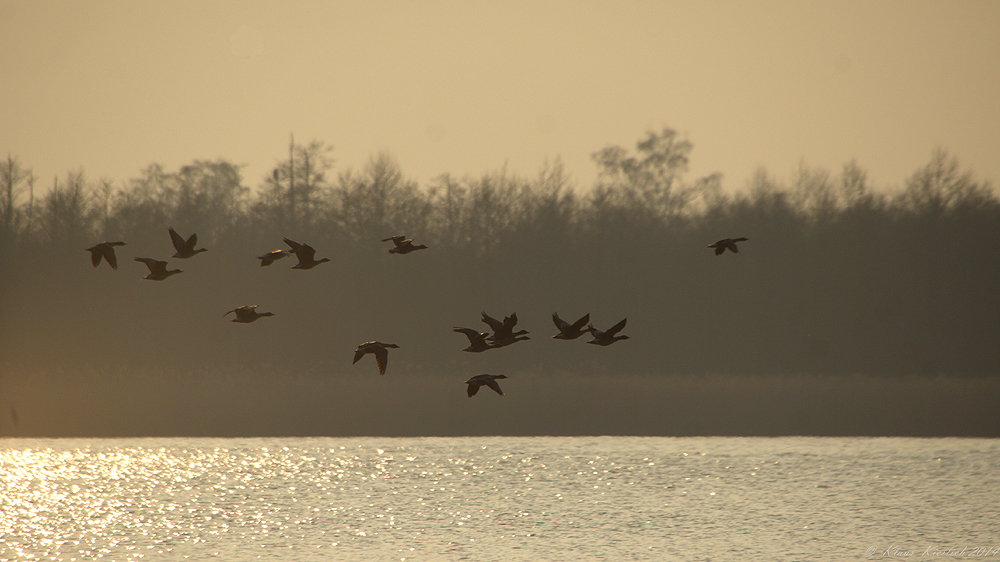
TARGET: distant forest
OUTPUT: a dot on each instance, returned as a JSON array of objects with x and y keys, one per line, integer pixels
[{"x": 837, "y": 278}]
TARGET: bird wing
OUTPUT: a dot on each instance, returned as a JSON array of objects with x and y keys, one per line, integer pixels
[
  {"x": 578, "y": 325},
  {"x": 561, "y": 324},
  {"x": 616, "y": 328},
  {"x": 176, "y": 239},
  {"x": 359, "y": 353},
  {"x": 270, "y": 257},
  {"x": 293, "y": 244},
  {"x": 192, "y": 241},
  {"x": 95, "y": 256},
  {"x": 305, "y": 252},
  {"x": 509, "y": 322},
  {"x": 493, "y": 323},
  {"x": 494, "y": 385},
  {"x": 108, "y": 252},
  {"x": 473, "y": 387},
  {"x": 155, "y": 266},
  {"x": 381, "y": 358},
  {"x": 473, "y": 335},
  {"x": 245, "y": 311}
]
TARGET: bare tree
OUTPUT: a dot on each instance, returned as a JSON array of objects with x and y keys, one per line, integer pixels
[
  {"x": 853, "y": 183},
  {"x": 65, "y": 213},
  {"x": 211, "y": 196},
  {"x": 103, "y": 195},
  {"x": 314, "y": 161},
  {"x": 294, "y": 192},
  {"x": 813, "y": 191},
  {"x": 447, "y": 198},
  {"x": 379, "y": 202},
  {"x": 11, "y": 176},
  {"x": 652, "y": 177},
  {"x": 491, "y": 209},
  {"x": 940, "y": 186}
]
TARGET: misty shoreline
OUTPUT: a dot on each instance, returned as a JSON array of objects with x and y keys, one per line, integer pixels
[
  {"x": 420, "y": 405},
  {"x": 845, "y": 313}
]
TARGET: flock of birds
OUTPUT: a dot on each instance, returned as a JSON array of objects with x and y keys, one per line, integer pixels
[{"x": 503, "y": 331}]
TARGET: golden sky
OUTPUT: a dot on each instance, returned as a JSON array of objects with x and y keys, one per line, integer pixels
[{"x": 467, "y": 87}]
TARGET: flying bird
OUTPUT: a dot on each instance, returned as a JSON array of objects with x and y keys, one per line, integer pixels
[
  {"x": 503, "y": 332},
  {"x": 272, "y": 256},
  {"x": 157, "y": 269},
  {"x": 403, "y": 245},
  {"x": 306, "y": 255},
  {"x": 607, "y": 337},
  {"x": 569, "y": 331},
  {"x": 247, "y": 314},
  {"x": 378, "y": 349},
  {"x": 185, "y": 248},
  {"x": 488, "y": 380},
  {"x": 477, "y": 340},
  {"x": 725, "y": 243},
  {"x": 105, "y": 251}
]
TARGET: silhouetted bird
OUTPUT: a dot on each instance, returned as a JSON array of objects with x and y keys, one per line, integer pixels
[
  {"x": 569, "y": 331},
  {"x": 607, "y": 337},
  {"x": 378, "y": 349},
  {"x": 106, "y": 251},
  {"x": 306, "y": 255},
  {"x": 403, "y": 245},
  {"x": 503, "y": 332},
  {"x": 489, "y": 380},
  {"x": 157, "y": 269},
  {"x": 477, "y": 340},
  {"x": 247, "y": 314},
  {"x": 185, "y": 248},
  {"x": 730, "y": 243},
  {"x": 270, "y": 257}
]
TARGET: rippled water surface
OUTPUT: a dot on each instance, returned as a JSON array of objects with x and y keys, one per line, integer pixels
[{"x": 540, "y": 498}]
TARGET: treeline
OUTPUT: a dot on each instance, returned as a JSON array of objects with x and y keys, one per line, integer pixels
[{"x": 837, "y": 277}]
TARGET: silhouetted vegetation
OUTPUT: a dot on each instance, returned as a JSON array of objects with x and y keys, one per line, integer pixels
[{"x": 838, "y": 278}]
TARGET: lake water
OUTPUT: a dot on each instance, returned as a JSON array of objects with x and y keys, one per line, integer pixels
[{"x": 499, "y": 498}]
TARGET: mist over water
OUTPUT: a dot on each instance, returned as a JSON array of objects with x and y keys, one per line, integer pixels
[
  {"x": 282, "y": 403},
  {"x": 849, "y": 311}
]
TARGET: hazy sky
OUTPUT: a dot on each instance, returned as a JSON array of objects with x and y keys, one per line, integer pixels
[{"x": 465, "y": 87}]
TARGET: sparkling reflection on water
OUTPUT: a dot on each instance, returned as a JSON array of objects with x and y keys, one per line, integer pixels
[{"x": 542, "y": 498}]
